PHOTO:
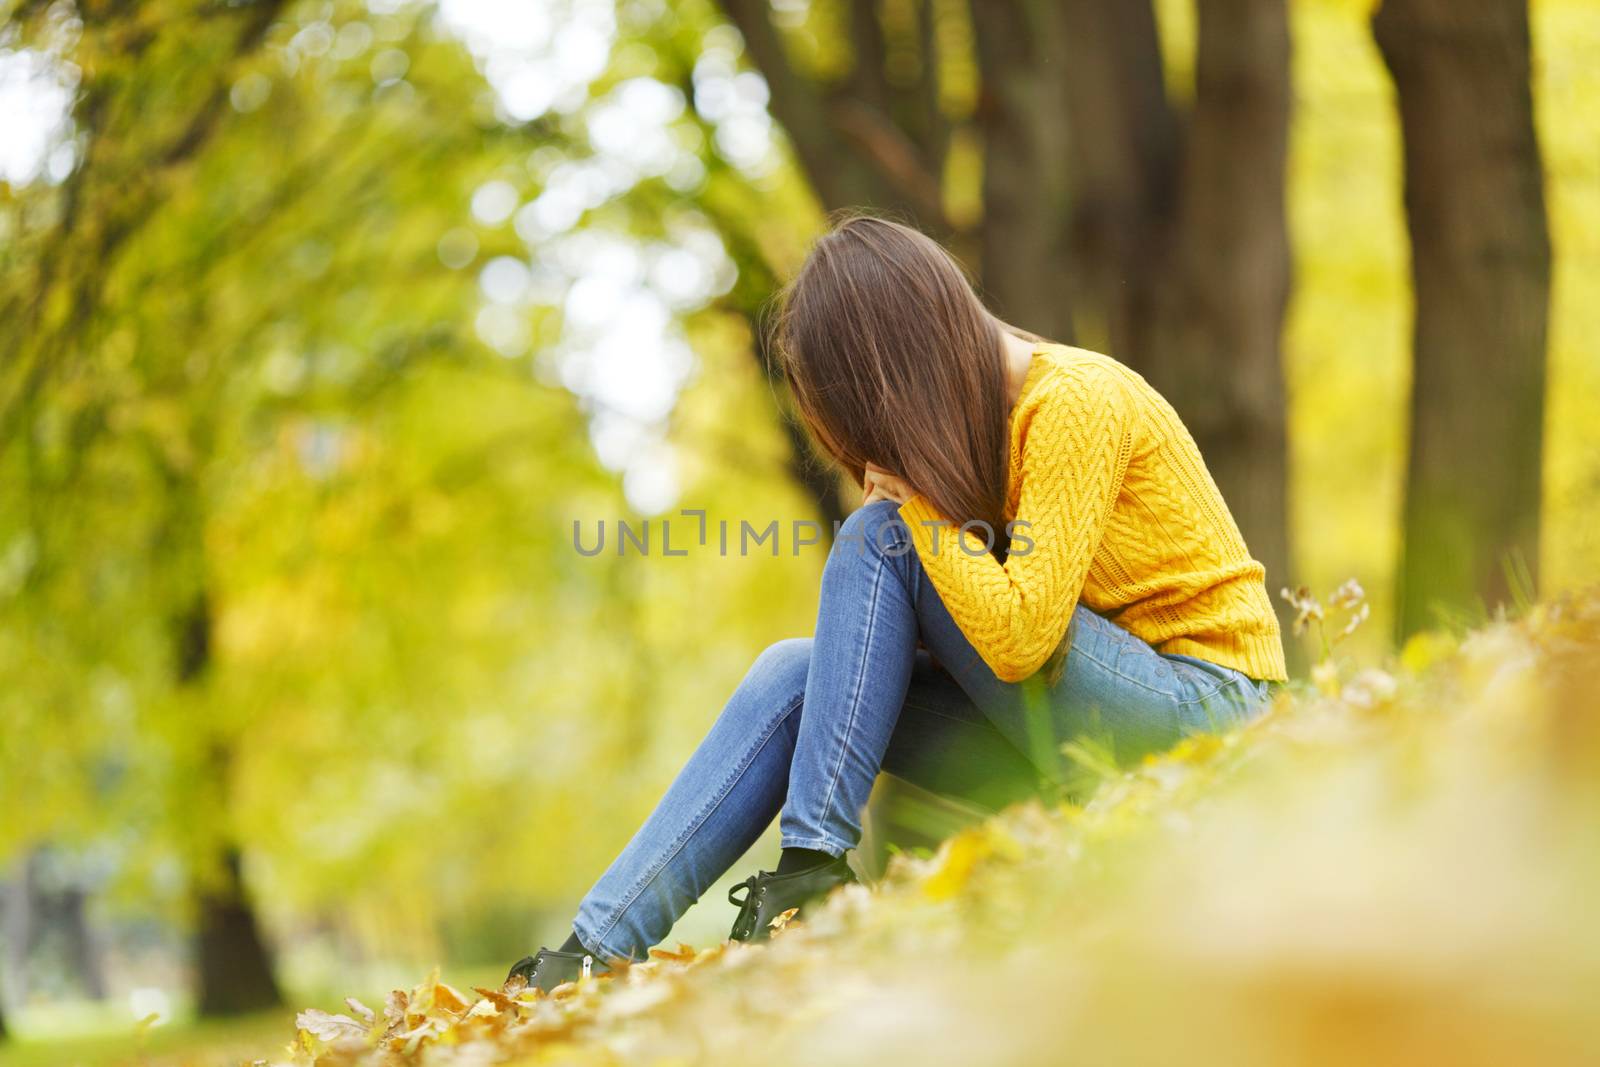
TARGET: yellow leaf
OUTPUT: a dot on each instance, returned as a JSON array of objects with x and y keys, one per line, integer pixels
[
  {"x": 683, "y": 953},
  {"x": 955, "y": 859},
  {"x": 496, "y": 997},
  {"x": 447, "y": 999}
]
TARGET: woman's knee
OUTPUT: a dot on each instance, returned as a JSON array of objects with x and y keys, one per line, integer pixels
[
  {"x": 874, "y": 528},
  {"x": 781, "y": 667},
  {"x": 772, "y": 689}
]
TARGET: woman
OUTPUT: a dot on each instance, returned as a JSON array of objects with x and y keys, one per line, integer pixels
[{"x": 1034, "y": 516}]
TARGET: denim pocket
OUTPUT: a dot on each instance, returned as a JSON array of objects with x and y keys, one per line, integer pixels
[{"x": 1220, "y": 697}]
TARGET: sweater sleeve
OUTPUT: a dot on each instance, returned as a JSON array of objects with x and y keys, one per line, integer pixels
[{"x": 1074, "y": 455}]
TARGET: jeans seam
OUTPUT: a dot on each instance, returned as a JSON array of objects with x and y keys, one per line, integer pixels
[
  {"x": 855, "y": 696},
  {"x": 946, "y": 715},
  {"x": 699, "y": 821},
  {"x": 1233, "y": 683},
  {"x": 913, "y": 575},
  {"x": 1090, "y": 656},
  {"x": 986, "y": 724},
  {"x": 1232, "y": 676},
  {"x": 1236, "y": 715},
  {"x": 983, "y": 723}
]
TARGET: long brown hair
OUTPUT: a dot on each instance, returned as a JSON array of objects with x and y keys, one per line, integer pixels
[{"x": 893, "y": 360}]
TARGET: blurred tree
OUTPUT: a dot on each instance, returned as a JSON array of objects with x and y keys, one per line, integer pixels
[
  {"x": 1480, "y": 264},
  {"x": 1021, "y": 118},
  {"x": 291, "y": 565},
  {"x": 123, "y": 175},
  {"x": 177, "y": 330},
  {"x": 46, "y": 927}
]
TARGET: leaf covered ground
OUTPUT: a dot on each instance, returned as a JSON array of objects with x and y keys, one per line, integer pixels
[{"x": 1397, "y": 866}]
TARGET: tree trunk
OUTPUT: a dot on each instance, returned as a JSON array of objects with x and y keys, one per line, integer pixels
[
  {"x": 82, "y": 946},
  {"x": 1026, "y": 204},
  {"x": 234, "y": 973},
  {"x": 1182, "y": 230},
  {"x": 851, "y": 149},
  {"x": 1480, "y": 265},
  {"x": 1216, "y": 318},
  {"x": 17, "y": 924},
  {"x": 233, "y": 969},
  {"x": 1126, "y": 139},
  {"x": 22, "y": 919}
]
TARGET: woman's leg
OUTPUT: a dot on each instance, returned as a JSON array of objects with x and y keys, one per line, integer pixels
[
  {"x": 1115, "y": 690},
  {"x": 733, "y": 785},
  {"x": 722, "y": 800},
  {"x": 763, "y": 755},
  {"x": 944, "y": 743},
  {"x": 861, "y": 660}
]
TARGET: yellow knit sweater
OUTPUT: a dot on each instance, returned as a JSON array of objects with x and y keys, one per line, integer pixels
[{"x": 1123, "y": 515}]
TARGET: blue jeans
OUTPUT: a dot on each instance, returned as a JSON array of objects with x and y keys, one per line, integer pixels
[{"x": 815, "y": 719}]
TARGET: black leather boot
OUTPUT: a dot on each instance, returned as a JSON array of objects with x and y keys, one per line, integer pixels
[
  {"x": 768, "y": 894},
  {"x": 550, "y": 967}
]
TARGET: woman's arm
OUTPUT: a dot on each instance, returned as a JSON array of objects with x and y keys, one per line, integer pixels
[{"x": 1076, "y": 449}]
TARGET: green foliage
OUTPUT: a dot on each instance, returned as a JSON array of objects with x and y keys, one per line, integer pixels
[{"x": 251, "y": 397}]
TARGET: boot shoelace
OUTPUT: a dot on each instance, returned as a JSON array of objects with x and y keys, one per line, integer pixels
[{"x": 745, "y": 923}]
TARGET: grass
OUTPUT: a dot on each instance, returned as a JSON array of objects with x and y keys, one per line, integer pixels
[{"x": 219, "y": 1041}]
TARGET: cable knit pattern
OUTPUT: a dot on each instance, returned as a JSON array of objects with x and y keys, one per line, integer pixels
[{"x": 1122, "y": 514}]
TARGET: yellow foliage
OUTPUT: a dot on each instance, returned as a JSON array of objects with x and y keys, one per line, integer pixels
[
  {"x": 1399, "y": 872},
  {"x": 955, "y": 860}
]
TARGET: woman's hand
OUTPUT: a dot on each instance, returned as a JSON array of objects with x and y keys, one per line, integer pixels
[{"x": 879, "y": 484}]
